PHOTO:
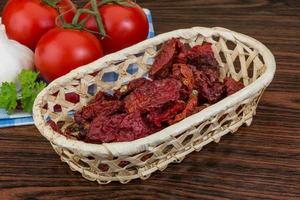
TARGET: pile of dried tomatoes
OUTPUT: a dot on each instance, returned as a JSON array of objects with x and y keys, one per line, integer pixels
[{"x": 181, "y": 82}]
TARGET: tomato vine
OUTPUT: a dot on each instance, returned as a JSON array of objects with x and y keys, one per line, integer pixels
[{"x": 93, "y": 11}]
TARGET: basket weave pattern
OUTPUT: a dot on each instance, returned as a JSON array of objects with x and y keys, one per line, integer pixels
[{"x": 236, "y": 58}]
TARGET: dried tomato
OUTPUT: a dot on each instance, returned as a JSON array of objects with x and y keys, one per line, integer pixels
[
  {"x": 164, "y": 61},
  {"x": 201, "y": 55},
  {"x": 80, "y": 119},
  {"x": 102, "y": 96},
  {"x": 209, "y": 74},
  {"x": 184, "y": 73},
  {"x": 98, "y": 108},
  {"x": 232, "y": 86},
  {"x": 54, "y": 126},
  {"x": 104, "y": 129},
  {"x": 77, "y": 130},
  {"x": 183, "y": 81},
  {"x": 152, "y": 95},
  {"x": 118, "y": 128},
  {"x": 131, "y": 86},
  {"x": 157, "y": 117},
  {"x": 208, "y": 85},
  {"x": 133, "y": 124},
  {"x": 181, "y": 58},
  {"x": 188, "y": 110}
]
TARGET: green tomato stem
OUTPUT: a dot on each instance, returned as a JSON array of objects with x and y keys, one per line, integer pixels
[
  {"x": 98, "y": 18},
  {"x": 94, "y": 12},
  {"x": 51, "y": 3},
  {"x": 61, "y": 17},
  {"x": 79, "y": 13}
]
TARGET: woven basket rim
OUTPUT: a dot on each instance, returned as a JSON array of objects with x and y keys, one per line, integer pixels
[{"x": 149, "y": 142}]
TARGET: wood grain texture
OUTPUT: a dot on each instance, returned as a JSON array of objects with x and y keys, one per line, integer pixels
[{"x": 258, "y": 162}]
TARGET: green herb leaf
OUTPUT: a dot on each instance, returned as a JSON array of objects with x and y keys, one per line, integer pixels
[
  {"x": 30, "y": 88},
  {"x": 8, "y": 96}
]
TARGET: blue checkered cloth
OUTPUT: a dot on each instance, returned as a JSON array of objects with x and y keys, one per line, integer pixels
[{"x": 22, "y": 119}]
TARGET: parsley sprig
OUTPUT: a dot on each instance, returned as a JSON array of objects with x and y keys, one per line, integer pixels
[
  {"x": 8, "y": 96},
  {"x": 30, "y": 88}
]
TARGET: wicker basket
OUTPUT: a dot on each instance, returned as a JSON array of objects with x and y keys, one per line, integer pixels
[{"x": 239, "y": 56}]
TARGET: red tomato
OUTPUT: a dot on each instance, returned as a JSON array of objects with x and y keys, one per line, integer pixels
[
  {"x": 124, "y": 26},
  {"x": 27, "y": 20},
  {"x": 61, "y": 50}
]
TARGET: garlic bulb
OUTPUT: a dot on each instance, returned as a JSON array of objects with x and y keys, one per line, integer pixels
[{"x": 13, "y": 57}]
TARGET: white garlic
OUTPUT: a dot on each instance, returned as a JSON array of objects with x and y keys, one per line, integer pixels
[{"x": 13, "y": 57}]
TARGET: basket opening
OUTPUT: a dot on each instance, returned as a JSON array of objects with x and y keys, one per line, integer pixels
[
  {"x": 167, "y": 149},
  {"x": 132, "y": 69},
  {"x": 237, "y": 65},
  {"x": 205, "y": 129},
  {"x": 103, "y": 167},
  {"x": 91, "y": 158},
  {"x": 110, "y": 77},
  {"x": 57, "y": 108},
  {"x": 83, "y": 164},
  {"x": 92, "y": 89},
  {"x": 72, "y": 97},
  {"x": 123, "y": 163},
  {"x": 240, "y": 108},
  {"x": 215, "y": 38},
  {"x": 187, "y": 140},
  {"x": 146, "y": 157},
  {"x": 222, "y": 118},
  {"x": 230, "y": 45},
  {"x": 227, "y": 123},
  {"x": 223, "y": 57}
]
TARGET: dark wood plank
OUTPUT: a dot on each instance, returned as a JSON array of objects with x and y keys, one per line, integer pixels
[{"x": 259, "y": 162}]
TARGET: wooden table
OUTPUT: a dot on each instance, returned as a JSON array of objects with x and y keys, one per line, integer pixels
[{"x": 260, "y": 162}]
